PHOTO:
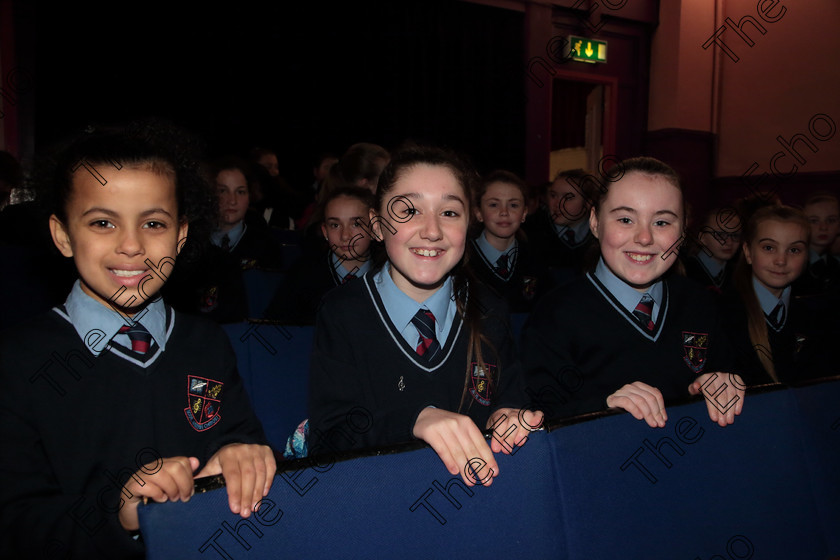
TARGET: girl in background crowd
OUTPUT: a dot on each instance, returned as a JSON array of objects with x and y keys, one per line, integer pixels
[
  {"x": 345, "y": 214},
  {"x": 718, "y": 240},
  {"x": 504, "y": 260},
  {"x": 780, "y": 337}
]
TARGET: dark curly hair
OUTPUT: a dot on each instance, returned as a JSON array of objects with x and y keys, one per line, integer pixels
[{"x": 159, "y": 144}]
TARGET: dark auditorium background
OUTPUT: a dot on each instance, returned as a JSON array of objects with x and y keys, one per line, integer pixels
[{"x": 716, "y": 88}]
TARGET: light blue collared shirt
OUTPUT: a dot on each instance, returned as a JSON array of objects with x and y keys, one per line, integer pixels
[
  {"x": 768, "y": 301},
  {"x": 711, "y": 264},
  {"x": 813, "y": 256},
  {"x": 342, "y": 272},
  {"x": 98, "y": 324},
  {"x": 492, "y": 254},
  {"x": 626, "y": 295},
  {"x": 234, "y": 235},
  {"x": 401, "y": 308},
  {"x": 581, "y": 229}
]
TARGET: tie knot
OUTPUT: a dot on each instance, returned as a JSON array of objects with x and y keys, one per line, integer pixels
[
  {"x": 226, "y": 242},
  {"x": 644, "y": 312},
  {"x": 424, "y": 319},
  {"x": 424, "y": 322},
  {"x": 777, "y": 316},
  {"x": 140, "y": 338}
]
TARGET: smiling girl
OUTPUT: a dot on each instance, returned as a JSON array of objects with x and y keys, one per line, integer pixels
[
  {"x": 414, "y": 345},
  {"x": 628, "y": 335},
  {"x": 782, "y": 338},
  {"x": 504, "y": 261}
]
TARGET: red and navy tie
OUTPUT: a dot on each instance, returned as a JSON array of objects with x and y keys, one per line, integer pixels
[
  {"x": 347, "y": 277},
  {"x": 140, "y": 338},
  {"x": 644, "y": 312},
  {"x": 502, "y": 266},
  {"x": 427, "y": 345}
]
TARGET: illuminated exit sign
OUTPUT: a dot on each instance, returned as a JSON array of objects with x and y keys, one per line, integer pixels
[{"x": 587, "y": 50}]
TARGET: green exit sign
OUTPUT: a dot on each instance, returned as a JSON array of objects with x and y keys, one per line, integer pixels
[{"x": 587, "y": 50}]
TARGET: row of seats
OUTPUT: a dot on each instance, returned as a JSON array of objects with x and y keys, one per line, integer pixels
[{"x": 765, "y": 487}]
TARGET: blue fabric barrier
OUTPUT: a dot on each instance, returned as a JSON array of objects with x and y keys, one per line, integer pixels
[
  {"x": 605, "y": 488},
  {"x": 273, "y": 361}
]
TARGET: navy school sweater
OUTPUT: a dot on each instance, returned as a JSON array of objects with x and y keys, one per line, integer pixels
[
  {"x": 525, "y": 284},
  {"x": 579, "y": 346},
  {"x": 74, "y": 427},
  {"x": 367, "y": 385}
]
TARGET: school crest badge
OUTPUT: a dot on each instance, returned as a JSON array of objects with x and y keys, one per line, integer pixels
[
  {"x": 480, "y": 389},
  {"x": 209, "y": 299},
  {"x": 204, "y": 399},
  {"x": 695, "y": 348},
  {"x": 529, "y": 287},
  {"x": 799, "y": 342}
]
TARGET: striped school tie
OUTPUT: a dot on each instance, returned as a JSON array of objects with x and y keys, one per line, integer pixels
[
  {"x": 140, "y": 338},
  {"x": 777, "y": 316},
  {"x": 502, "y": 266},
  {"x": 644, "y": 312},
  {"x": 427, "y": 345}
]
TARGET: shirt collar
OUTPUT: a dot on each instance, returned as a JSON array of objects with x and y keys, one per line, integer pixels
[
  {"x": 234, "y": 235},
  {"x": 711, "y": 264},
  {"x": 580, "y": 229},
  {"x": 342, "y": 272},
  {"x": 813, "y": 256},
  {"x": 97, "y": 324},
  {"x": 626, "y": 295},
  {"x": 401, "y": 308},
  {"x": 767, "y": 300},
  {"x": 491, "y": 252}
]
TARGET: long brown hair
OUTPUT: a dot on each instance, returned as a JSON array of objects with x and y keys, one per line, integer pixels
[
  {"x": 463, "y": 283},
  {"x": 756, "y": 324}
]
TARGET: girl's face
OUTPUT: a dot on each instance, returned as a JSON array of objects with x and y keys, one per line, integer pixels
[
  {"x": 723, "y": 244},
  {"x": 502, "y": 210},
  {"x": 566, "y": 205},
  {"x": 233, "y": 197},
  {"x": 269, "y": 161},
  {"x": 778, "y": 254},
  {"x": 429, "y": 210},
  {"x": 121, "y": 235},
  {"x": 341, "y": 228},
  {"x": 825, "y": 223},
  {"x": 638, "y": 225}
]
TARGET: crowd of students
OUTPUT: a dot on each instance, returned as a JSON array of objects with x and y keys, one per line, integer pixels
[{"x": 410, "y": 266}]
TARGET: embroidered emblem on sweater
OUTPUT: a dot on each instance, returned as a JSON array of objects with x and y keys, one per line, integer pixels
[
  {"x": 480, "y": 389},
  {"x": 799, "y": 342},
  {"x": 529, "y": 287},
  {"x": 204, "y": 397},
  {"x": 209, "y": 300},
  {"x": 695, "y": 347}
]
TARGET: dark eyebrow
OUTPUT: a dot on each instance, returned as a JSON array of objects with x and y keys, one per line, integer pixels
[
  {"x": 108, "y": 212},
  {"x": 623, "y": 209},
  {"x": 446, "y": 197},
  {"x": 666, "y": 212}
]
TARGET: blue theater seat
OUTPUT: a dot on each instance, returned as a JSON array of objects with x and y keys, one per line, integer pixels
[
  {"x": 273, "y": 361},
  {"x": 611, "y": 487},
  {"x": 260, "y": 286}
]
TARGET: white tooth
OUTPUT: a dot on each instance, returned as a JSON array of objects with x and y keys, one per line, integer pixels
[{"x": 127, "y": 273}]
